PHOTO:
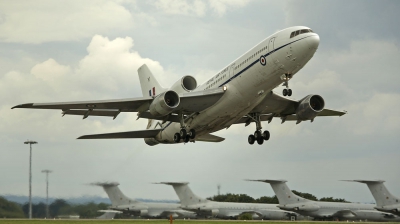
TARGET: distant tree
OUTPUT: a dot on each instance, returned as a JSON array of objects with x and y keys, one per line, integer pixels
[
  {"x": 244, "y": 198},
  {"x": 10, "y": 209},
  {"x": 331, "y": 199},
  {"x": 305, "y": 195},
  {"x": 89, "y": 210},
  {"x": 60, "y": 207},
  {"x": 267, "y": 200}
]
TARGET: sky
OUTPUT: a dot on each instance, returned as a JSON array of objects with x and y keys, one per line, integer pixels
[{"x": 57, "y": 51}]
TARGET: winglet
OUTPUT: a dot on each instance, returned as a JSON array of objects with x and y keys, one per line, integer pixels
[{"x": 25, "y": 105}]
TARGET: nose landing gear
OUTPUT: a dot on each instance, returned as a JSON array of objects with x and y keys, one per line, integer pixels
[
  {"x": 258, "y": 136},
  {"x": 286, "y": 78}
]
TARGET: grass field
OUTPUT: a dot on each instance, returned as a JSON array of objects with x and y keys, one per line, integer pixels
[{"x": 87, "y": 221}]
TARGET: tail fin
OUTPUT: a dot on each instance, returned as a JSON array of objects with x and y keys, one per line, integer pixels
[
  {"x": 149, "y": 84},
  {"x": 283, "y": 193},
  {"x": 381, "y": 194},
  {"x": 185, "y": 194},
  {"x": 114, "y": 193}
]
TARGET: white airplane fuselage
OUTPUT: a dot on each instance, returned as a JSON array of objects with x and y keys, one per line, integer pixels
[{"x": 248, "y": 80}]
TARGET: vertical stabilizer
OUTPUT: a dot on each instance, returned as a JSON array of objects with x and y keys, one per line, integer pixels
[
  {"x": 149, "y": 84},
  {"x": 115, "y": 194},
  {"x": 185, "y": 194},
  {"x": 381, "y": 194},
  {"x": 283, "y": 193}
]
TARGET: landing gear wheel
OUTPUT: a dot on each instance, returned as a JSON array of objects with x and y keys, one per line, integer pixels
[
  {"x": 257, "y": 135},
  {"x": 183, "y": 133},
  {"x": 177, "y": 137},
  {"x": 289, "y": 92},
  {"x": 266, "y": 135},
  {"x": 260, "y": 140},
  {"x": 187, "y": 138},
  {"x": 192, "y": 134},
  {"x": 285, "y": 92},
  {"x": 251, "y": 139}
]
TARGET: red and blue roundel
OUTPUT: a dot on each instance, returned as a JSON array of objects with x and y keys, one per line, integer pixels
[{"x": 263, "y": 61}]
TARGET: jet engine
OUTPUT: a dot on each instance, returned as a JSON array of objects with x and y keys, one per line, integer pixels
[
  {"x": 144, "y": 212},
  {"x": 185, "y": 84},
  {"x": 309, "y": 107},
  {"x": 164, "y": 103}
]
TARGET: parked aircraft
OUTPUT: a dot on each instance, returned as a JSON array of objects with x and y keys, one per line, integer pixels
[
  {"x": 325, "y": 210},
  {"x": 143, "y": 209},
  {"x": 241, "y": 93},
  {"x": 108, "y": 214},
  {"x": 225, "y": 210},
  {"x": 385, "y": 201}
]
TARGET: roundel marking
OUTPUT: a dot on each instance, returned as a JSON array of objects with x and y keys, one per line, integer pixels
[{"x": 263, "y": 61}]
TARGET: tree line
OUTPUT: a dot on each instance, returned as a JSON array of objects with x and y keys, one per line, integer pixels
[{"x": 244, "y": 198}]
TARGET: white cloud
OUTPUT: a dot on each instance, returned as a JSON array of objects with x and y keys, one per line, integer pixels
[
  {"x": 50, "y": 70},
  {"x": 221, "y": 6},
  {"x": 46, "y": 20}
]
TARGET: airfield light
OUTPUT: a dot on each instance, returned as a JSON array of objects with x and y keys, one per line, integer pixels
[
  {"x": 47, "y": 191},
  {"x": 30, "y": 175}
]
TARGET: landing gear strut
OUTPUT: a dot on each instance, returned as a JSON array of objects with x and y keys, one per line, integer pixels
[
  {"x": 285, "y": 78},
  {"x": 183, "y": 134},
  {"x": 258, "y": 136}
]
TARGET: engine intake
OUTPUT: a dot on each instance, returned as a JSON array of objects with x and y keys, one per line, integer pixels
[
  {"x": 185, "y": 84},
  {"x": 164, "y": 103},
  {"x": 309, "y": 107}
]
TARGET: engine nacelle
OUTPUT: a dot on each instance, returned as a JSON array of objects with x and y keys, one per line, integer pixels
[
  {"x": 164, "y": 103},
  {"x": 144, "y": 212},
  {"x": 185, "y": 84},
  {"x": 309, "y": 107}
]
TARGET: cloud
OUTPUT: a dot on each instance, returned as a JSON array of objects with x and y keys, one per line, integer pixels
[
  {"x": 221, "y": 6},
  {"x": 46, "y": 20}
]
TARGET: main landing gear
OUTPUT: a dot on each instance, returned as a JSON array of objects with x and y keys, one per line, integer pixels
[
  {"x": 285, "y": 78},
  {"x": 183, "y": 134},
  {"x": 259, "y": 135}
]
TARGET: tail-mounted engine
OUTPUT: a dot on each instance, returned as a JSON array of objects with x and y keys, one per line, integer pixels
[
  {"x": 309, "y": 107},
  {"x": 164, "y": 103},
  {"x": 185, "y": 84}
]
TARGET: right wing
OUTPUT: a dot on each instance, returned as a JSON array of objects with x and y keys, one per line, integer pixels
[
  {"x": 189, "y": 103},
  {"x": 151, "y": 133}
]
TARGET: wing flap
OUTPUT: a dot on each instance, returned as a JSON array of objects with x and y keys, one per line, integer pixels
[
  {"x": 129, "y": 134},
  {"x": 209, "y": 138},
  {"x": 86, "y": 113}
]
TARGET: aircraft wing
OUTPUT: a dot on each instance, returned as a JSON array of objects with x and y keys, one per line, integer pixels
[
  {"x": 151, "y": 133},
  {"x": 189, "y": 103},
  {"x": 209, "y": 138}
]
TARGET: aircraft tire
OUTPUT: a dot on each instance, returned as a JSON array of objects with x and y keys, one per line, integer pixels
[
  {"x": 285, "y": 92},
  {"x": 251, "y": 139},
  {"x": 177, "y": 137},
  {"x": 257, "y": 134},
  {"x": 187, "y": 139},
  {"x": 183, "y": 133},
  {"x": 260, "y": 140},
  {"x": 266, "y": 135},
  {"x": 289, "y": 92},
  {"x": 192, "y": 133}
]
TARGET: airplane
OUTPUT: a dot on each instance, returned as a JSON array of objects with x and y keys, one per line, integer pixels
[
  {"x": 385, "y": 201},
  {"x": 226, "y": 210},
  {"x": 288, "y": 201},
  {"x": 240, "y": 93},
  {"x": 143, "y": 209},
  {"x": 108, "y": 214}
]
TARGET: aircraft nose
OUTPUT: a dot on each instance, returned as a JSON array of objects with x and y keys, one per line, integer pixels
[{"x": 313, "y": 42}]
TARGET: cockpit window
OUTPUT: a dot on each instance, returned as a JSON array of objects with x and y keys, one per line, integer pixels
[{"x": 297, "y": 32}]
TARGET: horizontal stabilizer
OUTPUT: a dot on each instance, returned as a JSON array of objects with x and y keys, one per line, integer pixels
[
  {"x": 209, "y": 138},
  {"x": 173, "y": 183},
  {"x": 104, "y": 184},
  {"x": 366, "y": 181},
  {"x": 129, "y": 134},
  {"x": 269, "y": 181},
  {"x": 109, "y": 211}
]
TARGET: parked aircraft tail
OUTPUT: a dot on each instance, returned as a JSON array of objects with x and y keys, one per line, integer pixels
[
  {"x": 381, "y": 194},
  {"x": 283, "y": 193},
  {"x": 149, "y": 84},
  {"x": 185, "y": 194},
  {"x": 114, "y": 193}
]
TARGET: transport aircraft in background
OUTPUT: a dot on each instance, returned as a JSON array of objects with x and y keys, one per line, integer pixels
[
  {"x": 226, "y": 210},
  {"x": 240, "y": 93},
  {"x": 326, "y": 210},
  {"x": 120, "y": 202},
  {"x": 385, "y": 201}
]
